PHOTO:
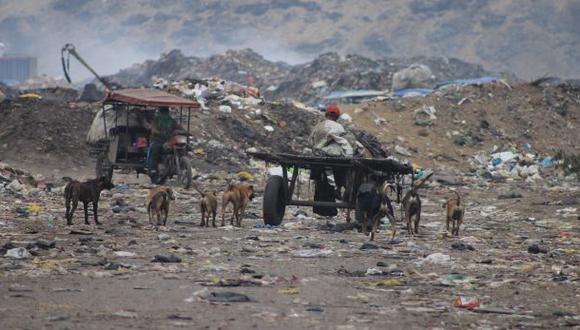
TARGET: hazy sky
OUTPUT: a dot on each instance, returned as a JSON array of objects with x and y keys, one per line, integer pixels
[{"x": 531, "y": 38}]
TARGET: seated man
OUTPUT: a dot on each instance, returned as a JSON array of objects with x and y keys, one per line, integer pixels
[
  {"x": 162, "y": 129},
  {"x": 330, "y": 139}
]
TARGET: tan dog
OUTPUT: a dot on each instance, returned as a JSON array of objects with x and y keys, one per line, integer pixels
[
  {"x": 240, "y": 196},
  {"x": 158, "y": 201},
  {"x": 412, "y": 207},
  {"x": 207, "y": 205},
  {"x": 455, "y": 213}
]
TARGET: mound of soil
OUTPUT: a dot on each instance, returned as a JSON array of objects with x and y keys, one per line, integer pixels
[{"x": 46, "y": 134}]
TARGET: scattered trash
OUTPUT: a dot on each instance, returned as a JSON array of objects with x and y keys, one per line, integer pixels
[
  {"x": 166, "y": 258},
  {"x": 221, "y": 297},
  {"x": 466, "y": 302},
  {"x": 18, "y": 253},
  {"x": 462, "y": 246},
  {"x": 290, "y": 291},
  {"x": 437, "y": 258},
  {"x": 535, "y": 249},
  {"x": 312, "y": 253},
  {"x": 402, "y": 151}
]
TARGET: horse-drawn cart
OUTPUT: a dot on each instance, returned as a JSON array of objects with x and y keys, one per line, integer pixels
[{"x": 349, "y": 173}]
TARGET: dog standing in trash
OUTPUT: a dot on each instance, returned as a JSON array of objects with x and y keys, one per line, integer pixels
[
  {"x": 239, "y": 196},
  {"x": 85, "y": 192},
  {"x": 158, "y": 201},
  {"x": 374, "y": 204},
  {"x": 412, "y": 207},
  {"x": 207, "y": 205},
  {"x": 455, "y": 213}
]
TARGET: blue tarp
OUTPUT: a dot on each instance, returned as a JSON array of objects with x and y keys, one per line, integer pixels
[
  {"x": 476, "y": 81},
  {"x": 410, "y": 92},
  {"x": 354, "y": 94}
]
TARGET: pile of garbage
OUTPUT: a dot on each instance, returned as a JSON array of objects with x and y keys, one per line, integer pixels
[
  {"x": 15, "y": 180},
  {"x": 43, "y": 82},
  {"x": 512, "y": 163},
  {"x": 242, "y": 66},
  {"x": 306, "y": 82},
  {"x": 213, "y": 91}
]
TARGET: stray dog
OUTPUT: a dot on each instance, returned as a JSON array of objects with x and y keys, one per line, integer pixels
[
  {"x": 158, "y": 201},
  {"x": 85, "y": 192},
  {"x": 455, "y": 213},
  {"x": 240, "y": 196},
  {"x": 207, "y": 205},
  {"x": 412, "y": 207},
  {"x": 375, "y": 205}
]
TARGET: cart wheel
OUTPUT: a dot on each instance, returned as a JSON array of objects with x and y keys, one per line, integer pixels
[
  {"x": 185, "y": 178},
  {"x": 274, "y": 201},
  {"x": 104, "y": 168}
]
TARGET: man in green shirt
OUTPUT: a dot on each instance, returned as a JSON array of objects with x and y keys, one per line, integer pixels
[{"x": 162, "y": 129}]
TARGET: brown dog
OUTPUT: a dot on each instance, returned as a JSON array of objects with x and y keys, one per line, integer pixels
[
  {"x": 207, "y": 205},
  {"x": 455, "y": 213},
  {"x": 240, "y": 196},
  {"x": 159, "y": 199},
  {"x": 85, "y": 192},
  {"x": 412, "y": 207}
]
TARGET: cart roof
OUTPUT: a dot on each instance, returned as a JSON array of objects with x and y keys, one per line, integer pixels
[{"x": 150, "y": 97}]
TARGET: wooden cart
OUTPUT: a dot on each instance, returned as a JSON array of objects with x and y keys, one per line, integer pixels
[{"x": 280, "y": 189}]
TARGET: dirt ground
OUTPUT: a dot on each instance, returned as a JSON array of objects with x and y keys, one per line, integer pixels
[
  {"x": 518, "y": 254},
  {"x": 105, "y": 277}
]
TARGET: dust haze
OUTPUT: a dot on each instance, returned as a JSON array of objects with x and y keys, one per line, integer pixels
[{"x": 530, "y": 39}]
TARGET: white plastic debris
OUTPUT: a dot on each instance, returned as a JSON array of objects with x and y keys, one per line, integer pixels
[
  {"x": 225, "y": 108},
  {"x": 374, "y": 271},
  {"x": 402, "y": 151},
  {"x": 312, "y": 253},
  {"x": 345, "y": 117},
  {"x": 437, "y": 258},
  {"x": 18, "y": 253},
  {"x": 15, "y": 186},
  {"x": 269, "y": 128}
]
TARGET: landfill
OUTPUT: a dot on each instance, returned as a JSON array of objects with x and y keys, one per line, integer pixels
[
  {"x": 508, "y": 148},
  {"x": 310, "y": 82}
]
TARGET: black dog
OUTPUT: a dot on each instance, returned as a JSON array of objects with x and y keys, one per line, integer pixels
[
  {"x": 88, "y": 191},
  {"x": 374, "y": 205}
]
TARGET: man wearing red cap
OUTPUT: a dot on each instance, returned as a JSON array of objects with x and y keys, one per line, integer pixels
[{"x": 330, "y": 139}]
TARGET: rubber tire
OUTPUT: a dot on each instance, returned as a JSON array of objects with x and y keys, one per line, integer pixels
[
  {"x": 185, "y": 165},
  {"x": 274, "y": 205}
]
